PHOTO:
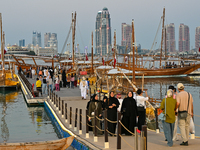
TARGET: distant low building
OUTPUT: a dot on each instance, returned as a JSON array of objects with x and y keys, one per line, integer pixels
[{"x": 15, "y": 49}]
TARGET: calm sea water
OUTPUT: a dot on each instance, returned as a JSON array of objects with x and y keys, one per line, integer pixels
[{"x": 20, "y": 123}]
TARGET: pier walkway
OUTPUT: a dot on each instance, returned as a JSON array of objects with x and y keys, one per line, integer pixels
[{"x": 154, "y": 140}]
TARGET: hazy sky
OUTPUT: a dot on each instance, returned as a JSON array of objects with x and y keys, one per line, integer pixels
[{"x": 21, "y": 17}]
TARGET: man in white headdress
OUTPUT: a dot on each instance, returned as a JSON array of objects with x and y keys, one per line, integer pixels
[{"x": 83, "y": 86}]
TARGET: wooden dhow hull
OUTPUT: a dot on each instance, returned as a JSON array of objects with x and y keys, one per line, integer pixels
[
  {"x": 60, "y": 144},
  {"x": 168, "y": 71}
]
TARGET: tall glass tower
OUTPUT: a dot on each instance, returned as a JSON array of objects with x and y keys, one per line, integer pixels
[
  {"x": 39, "y": 39},
  {"x": 103, "y": 32},
  {"x": 34, "y": 38}
]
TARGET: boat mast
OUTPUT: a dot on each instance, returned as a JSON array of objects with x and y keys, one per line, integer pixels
[
  {"x": 114, "y": 55},
  {"x": 73, "y": 36},
  {"x": 162, "y": 37},
  {"x": 92, "y": 52},
  {"x": 2, "y": 50},
  {"x": 165, "y": 44},
  {"x": 133, "y": 46}
]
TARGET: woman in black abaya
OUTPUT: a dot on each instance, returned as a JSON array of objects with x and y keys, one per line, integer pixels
[
  {"x": 112, "y": 105},
  {"x": 64, "y": 78},
  {"x": 129, "y": 112}
]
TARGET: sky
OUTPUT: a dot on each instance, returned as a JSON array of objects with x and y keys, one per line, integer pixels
[{"x": 22, "y": 17}]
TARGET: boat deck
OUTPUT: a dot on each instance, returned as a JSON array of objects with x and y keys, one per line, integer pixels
[{"x": 73, "y": 99}]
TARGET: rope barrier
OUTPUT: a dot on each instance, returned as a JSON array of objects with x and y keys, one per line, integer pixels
[
  {"x": 90, "y": 125},
  {"x": 126, "y": 141},
  {"x": 126, "y": 128},
  {"x": 196, "y": 115},
  {"x": 82, "y": 115},
  {"x": 89, "y": 116},
  {"x": 99, "y": 119},
  {"x": 111, "y": 133},
  {"x": 197, "y": 125},
  {"x": 83, "y": 123},
  {"x": 110, "y": 121},
  {"x": 99, "y": 129}
]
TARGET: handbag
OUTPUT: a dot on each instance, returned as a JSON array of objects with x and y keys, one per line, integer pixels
[{"x": 183, "y": 114}]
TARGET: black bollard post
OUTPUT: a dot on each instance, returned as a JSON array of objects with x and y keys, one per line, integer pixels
[
  {"x": 144, "y": 128},
  {"x": 87, "y": 128},
  {"x": 80, "y": 121},
  {"x": 70, "y": 118},
  {"x": 118, "y": 130},
  {"x": 66, "y": 112},
  {"x": 105, "y": 129},
  {"x": 56, "y": 101},
  {"x": 156, "y": 114},
  {"x": 76, "y": 115}
]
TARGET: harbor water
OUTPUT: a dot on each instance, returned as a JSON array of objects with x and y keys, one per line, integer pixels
[{"x": 20, "y": 123}]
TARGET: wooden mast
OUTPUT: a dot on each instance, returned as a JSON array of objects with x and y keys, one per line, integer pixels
[
  {"x": 92, "y": 53},
  {"x": 165, "y": 44},
  {"x": 73, "y": 36},
  {"x": 133, "y": 46},
  {"x": 162, "y": 37}
]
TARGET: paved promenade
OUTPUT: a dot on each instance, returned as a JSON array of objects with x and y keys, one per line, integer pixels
[{"x": 155, "y": 140}]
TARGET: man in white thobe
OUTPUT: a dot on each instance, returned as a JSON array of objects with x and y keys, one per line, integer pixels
[{"x": 83, "y": 86}]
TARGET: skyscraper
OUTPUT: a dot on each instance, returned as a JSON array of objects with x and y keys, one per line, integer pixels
[
  {"x": 34, "y": 38},
  {"x": 197, "y": 38},
  {"x": 53, "y": 41},
  {"x": 126, "y": 35},
  {"x": 170, "y": 35},
  {"x": 39, "y": 39},
  {"x": 184, "y": 38},
  {"x": 103, "y": 32},
  {"x": 22, "y": 42},
  {"x": 46, "y": 39}
]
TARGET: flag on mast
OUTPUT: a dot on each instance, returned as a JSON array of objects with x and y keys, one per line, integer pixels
[
  {"x": 114, "y": 62},
  {"x": 5, "y": 50},
  {"x": 103, "y": 61},
  {"x": 86, "y": 57}
]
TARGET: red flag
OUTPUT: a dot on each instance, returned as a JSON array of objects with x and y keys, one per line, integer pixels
[
  {"x": 199, "y": 49},
  {"x": 126, "y": 58},
  {"x": 5, "y": 50},
  {"x": 112, "y": 49},
  {"x": 86, "y": 58},
  {"x": 103, "y": 61},
  {"x": 114, "y": 62}
]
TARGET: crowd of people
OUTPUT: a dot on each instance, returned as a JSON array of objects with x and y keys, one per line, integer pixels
[
  {"x": 132, "y": 108},
  {"x": 177, "y": 107},
  {"x": 54, "y": 79},
  {"x": 177, "y": 112}
]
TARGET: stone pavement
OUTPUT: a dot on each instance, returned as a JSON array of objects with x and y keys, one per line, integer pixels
[{"x": 155, "y": 140}]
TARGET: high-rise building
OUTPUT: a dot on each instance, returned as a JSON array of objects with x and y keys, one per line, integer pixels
[
  {"x": 184, "y": 38},
  {"x": 46, "y": 39},
  {"x": 197, "y": 38},
  {"x": 103, "y": 32},
  {"x": 170, "y": 37},
  {"x": 22, "y": 42},
  {"x": 126, "y": 35},
  {"x": 34, "y": 38},
  {"x": 53, "y": 42},
  {"x": 39, "y": 39}
]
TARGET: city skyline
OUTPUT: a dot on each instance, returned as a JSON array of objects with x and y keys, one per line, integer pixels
[{"x": 58, "y": 21}]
